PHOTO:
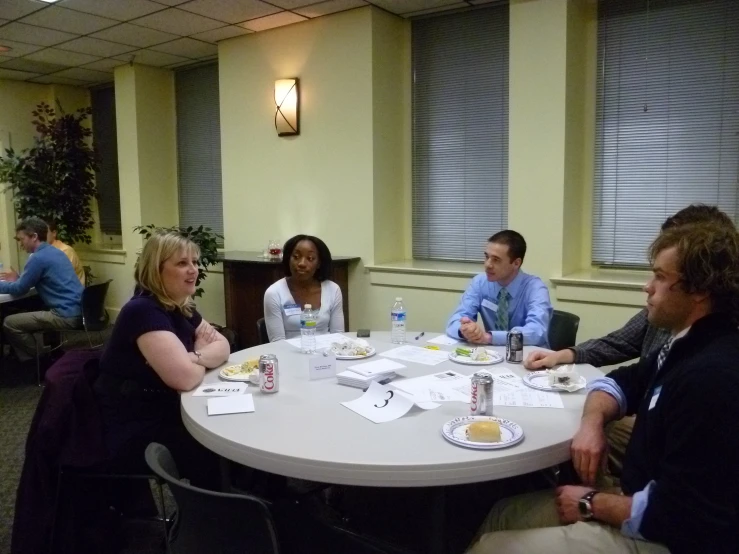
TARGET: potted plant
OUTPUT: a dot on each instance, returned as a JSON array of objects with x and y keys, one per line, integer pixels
[
  {"x": 206, "y": 239},
  {"x": 55, "y": 179}
]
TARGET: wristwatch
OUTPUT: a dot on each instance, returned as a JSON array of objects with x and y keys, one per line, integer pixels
[{"x": 585, "y": 506}]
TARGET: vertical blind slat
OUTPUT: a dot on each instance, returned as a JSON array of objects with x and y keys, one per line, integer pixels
[{"x": 460, "y": 132}]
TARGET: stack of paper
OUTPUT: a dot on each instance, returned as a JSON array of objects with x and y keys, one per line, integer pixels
[{"x": 361, "y": 375}]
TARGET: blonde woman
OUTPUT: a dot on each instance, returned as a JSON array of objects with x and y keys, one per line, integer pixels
[{"x": 160, "y": 346}]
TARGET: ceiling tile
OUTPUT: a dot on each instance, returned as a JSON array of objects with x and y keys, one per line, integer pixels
[
  {"x": 106, "y": 64},
  {"x": 95, "y": 46},
  {"x": 272, "y": 21},
  {"x": 133, "y": 35},
  {"x": 32, "y": 66},
  {"x": 18, "y": 48},
  {"x": 4, "y": 21},
  {"x": 437, "y": 9},
  {"x": 188, "y": 47},
  {"x": 61, "y": 57},
  {"x": 13, "y": 9},
  {"x": 16, "y": 75},
  {"x": 70, "y": 21},
  {"x": 332, "y": 6},
  {"x": 483, "y": 1},
  {"x": 55, "y": 79},
  {"x": 33, "y": 35},
  {"x": 222, "y": 33},
  {"x": 178, "y": 22},
  {"x": 408, "y": 6},
  {"x": 150, "y": 57},
  {"x": 231, "y": 11},
  {"x": 290, "y": 4},
  {"x": 171, "y": 2},
  {"x": 122, "y": 11},
  {"x": 83, "y": 74}
]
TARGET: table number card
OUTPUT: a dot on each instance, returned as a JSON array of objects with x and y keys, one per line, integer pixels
[
  {"x": 321, "y": 367},
  {"x": 380, "y": 404}
]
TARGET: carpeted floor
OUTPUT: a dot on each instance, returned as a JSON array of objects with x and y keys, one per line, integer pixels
[{"x": 19, "y": 395}]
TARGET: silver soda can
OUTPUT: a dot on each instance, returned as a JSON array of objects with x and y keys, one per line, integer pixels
[
  {"x": 514, "y": 347},
  {"x": 269, "y": 374},
  {"x": 481, "y": 396}
]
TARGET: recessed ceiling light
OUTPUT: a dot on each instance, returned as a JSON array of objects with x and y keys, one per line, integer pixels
[
  {"x": 48, "y": 1},
  {"x": 5, "y": 48}
]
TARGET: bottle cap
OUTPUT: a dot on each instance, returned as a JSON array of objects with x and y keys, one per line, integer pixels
[
  {"x": 308, "y": 307},
  {"x": 398, "y": 299}
]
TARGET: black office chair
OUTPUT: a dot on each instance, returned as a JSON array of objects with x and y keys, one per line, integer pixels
[
  {"x": 95, "y": 318},
  {"x": 209, "y": 521},
  {"x": 563, "y": 330},
  {"x": 262, "y": 331}
]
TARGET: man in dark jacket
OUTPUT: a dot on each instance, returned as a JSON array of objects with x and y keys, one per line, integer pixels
[{"x": 678, "y": 492}]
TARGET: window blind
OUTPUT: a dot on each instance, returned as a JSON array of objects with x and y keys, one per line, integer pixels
[
  {"x": 199, "y": 147},
  {"x": 106, "y": 146},
  {"x": 667, "y": 119},
  {"x": 460, "y": 132}
]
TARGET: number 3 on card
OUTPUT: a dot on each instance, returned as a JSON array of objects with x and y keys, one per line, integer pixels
[{"x": 390, "y": 395}]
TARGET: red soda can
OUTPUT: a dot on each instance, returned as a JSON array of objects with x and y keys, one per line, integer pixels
[
  {"x": 481, "y": 394},
  {"x": 269, "y": 374}
]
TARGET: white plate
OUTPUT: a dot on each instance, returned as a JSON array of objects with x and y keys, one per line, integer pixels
[
  {"x": 455, "y": 431},
  {"x": 243, "y": 377},
  {"x": 539, "y": 380},
  {"x": 495, "y": 358},
  {"x": 372, "y": 352}
]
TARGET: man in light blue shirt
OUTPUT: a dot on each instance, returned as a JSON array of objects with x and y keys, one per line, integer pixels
[
  {"x": 52, "y": 274},
  {"x": 506, "y": 298}
]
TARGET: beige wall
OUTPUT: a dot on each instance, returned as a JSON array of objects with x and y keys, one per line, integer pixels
[{"x": 346, "y": 178}]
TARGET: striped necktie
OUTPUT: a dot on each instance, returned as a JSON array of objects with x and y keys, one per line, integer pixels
[
  {"x": 662, "y": 356},
  {"x": 501, "y": 323}
]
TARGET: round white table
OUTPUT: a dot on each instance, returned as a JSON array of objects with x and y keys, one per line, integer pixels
[{"x": 303, "y": 431}]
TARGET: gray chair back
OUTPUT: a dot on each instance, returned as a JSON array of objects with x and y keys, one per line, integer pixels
[
  {"x": 210, "y": 521},
  {"x": 563, "y": 330}
]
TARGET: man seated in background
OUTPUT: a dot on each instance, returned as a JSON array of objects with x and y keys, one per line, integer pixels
[
  {"x": 68, "y": 250},
  {"x": 51, "y": 272},
  {"x": 635, "y": 339},
  {"x": 678, "y": 494},
  {"x": 506, "y": 298}
]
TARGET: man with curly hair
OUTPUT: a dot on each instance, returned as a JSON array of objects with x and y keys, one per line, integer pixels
[{"x": 678, "y": 494}]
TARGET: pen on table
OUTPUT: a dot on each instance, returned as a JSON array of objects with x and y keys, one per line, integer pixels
[{"x": 420, "y": 335}]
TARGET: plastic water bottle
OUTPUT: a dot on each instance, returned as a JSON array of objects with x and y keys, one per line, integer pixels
[
  {"x": 308, "y": 321},
  {"x": 397, "y": 322}
]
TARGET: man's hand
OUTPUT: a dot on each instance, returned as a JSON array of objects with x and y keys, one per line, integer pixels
[
  {"x": 589, "y": 448},
  {"x": 567, "y": 499},
  {"x": 9, "y": 276},
  {"x": 472, "y": 332},
  {"x": 541, "y": 360}
]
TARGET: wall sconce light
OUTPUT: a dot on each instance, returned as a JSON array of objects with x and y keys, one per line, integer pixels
[{"x": 287, "y": 112}]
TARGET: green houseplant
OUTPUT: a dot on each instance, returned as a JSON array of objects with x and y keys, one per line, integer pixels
[
  {"x": 206, "y": 239},
  {"x": 55, "y": 179}
]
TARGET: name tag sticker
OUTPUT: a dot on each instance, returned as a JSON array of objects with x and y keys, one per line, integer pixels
[
  {"x": 489, "y": 305},
  {"x": 655, "y": 397},
  {"x": 292, "y": 309}
]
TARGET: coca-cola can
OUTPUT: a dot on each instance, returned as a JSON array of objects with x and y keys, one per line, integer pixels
[
  {"x": 514, "y": 347},
  {"x": 481, "y": 394},
  {"x": 269, "y": 374}
]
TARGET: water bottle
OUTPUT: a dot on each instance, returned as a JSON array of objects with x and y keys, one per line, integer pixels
[
  {"x": 308, "y": 321},
  {"x": 397, "y": 321}
]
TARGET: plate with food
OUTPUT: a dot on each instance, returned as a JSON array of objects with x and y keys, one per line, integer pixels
[
  {"x": 482, "y": 432},
  {"x": 247, "y": 371},
  {"x": 475, "y": 356},
  {"x": 555, "y": 380},
  {"x": 351, "y": 349}
]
